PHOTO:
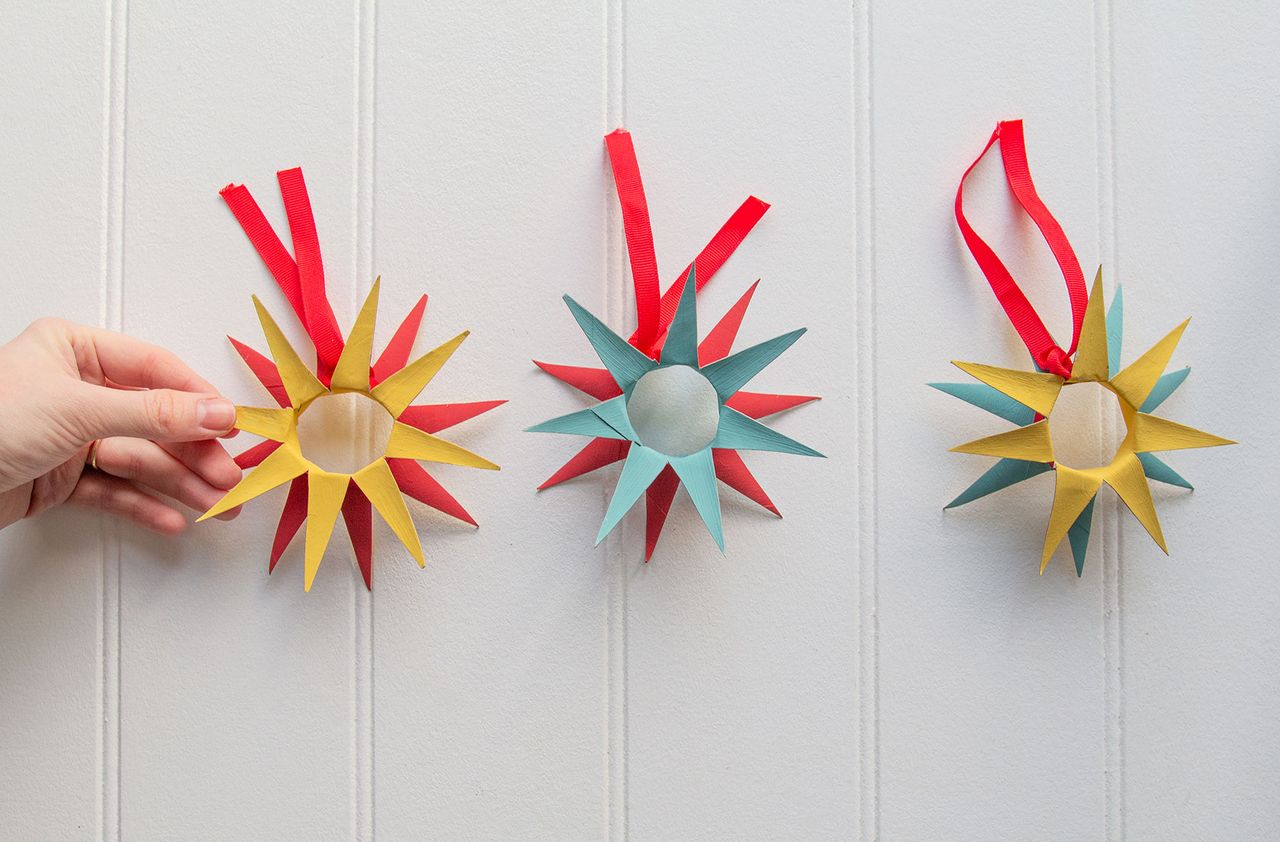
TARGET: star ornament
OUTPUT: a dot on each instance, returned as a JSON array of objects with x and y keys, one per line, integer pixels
[
  {"x": 326, "y": 491},
  {"x": 677, "y": 413},
  {"x": 316, "y": 496},
  {"x": 1027, "y": 399}
]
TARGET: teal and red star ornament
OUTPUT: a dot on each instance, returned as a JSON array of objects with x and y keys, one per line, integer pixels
[{"x": 672, "y": 408}]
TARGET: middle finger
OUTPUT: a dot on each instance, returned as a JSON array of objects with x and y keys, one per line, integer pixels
[{"x": 147, "y": 463}]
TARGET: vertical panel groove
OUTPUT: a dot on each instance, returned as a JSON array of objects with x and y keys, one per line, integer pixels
[
  {"x": 115, "y": 63},
  {"x": 362, "y": 280},
  {"x": 615, "y": 309},
  {"x": 864, "y": 398},
  {"x": 1112, "y": 570}
]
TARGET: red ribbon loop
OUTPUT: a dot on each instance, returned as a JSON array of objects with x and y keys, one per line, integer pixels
[
  {"x": 301, "y": 280},
  {"x": 654, "y": 312},
  {"x": 1046, "y": 353}
]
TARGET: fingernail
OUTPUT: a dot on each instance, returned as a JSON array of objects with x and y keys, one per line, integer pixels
[{"x": 216, "y": 414}]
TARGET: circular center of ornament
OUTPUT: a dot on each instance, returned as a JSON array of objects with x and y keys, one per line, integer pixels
[
  {"x": 344, "y": 432},
  {"x": 1083, "y": 424},
  {"x": 674, "y": 410}
]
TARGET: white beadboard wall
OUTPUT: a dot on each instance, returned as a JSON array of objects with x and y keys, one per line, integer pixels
[{"x": 868, "y": 667}]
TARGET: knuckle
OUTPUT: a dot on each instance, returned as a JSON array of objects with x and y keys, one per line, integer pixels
[
  {"x": 154, "y": 363},
  {"x": 185, "y": 488},
  {"x": 132, "y": 465},
  {"x": 160, "y": 365},
  {"x": 110, "y": 495},
  {"x": 95, "y": 492},
  {"x": 164, "y": 411},
  {"x": 54, "y": 488},
  {"x": 148, "y": 365},
  {"x": 136, "y": 509},
  {"x": 39, "y": 498},
  {"x": 48, "y": 325}
]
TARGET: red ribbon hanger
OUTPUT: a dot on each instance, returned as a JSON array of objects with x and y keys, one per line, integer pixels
[
  {"x": 654, "y": 312},
  {"x": 1048, "y": 355},
  {"x": 302, "y": 281}
]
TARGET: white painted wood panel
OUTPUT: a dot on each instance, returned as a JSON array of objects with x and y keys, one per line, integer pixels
[
  {"x": 741, "y": 700},
  {"x": 1196, "y": 205},
  {"x": 992, "y": 691},
  {"x": 55, "y": 261},
  {"x": 238, "y": 703},
  {"x": 866, "y": 667},
  {"x": 489, "y": 692}
]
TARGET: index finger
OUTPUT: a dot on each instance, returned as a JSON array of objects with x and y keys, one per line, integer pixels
[{"x": 132, "y": 362}]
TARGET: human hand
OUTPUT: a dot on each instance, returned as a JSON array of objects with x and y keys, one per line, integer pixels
[{"x": 64, "y": 386}]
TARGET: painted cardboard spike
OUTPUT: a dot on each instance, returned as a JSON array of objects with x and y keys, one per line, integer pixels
[
  {"x": 1002, "y": 474},
  {"x": 991, "y": 399}
]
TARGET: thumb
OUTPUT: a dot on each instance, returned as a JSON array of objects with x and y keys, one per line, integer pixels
[{"x": 158, "y": 414}]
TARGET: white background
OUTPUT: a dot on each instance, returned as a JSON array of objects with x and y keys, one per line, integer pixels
[{"x": 868, "y": 666}]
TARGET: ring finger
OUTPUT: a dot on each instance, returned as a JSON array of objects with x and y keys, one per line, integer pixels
[{"x": 124, "y": 499}]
